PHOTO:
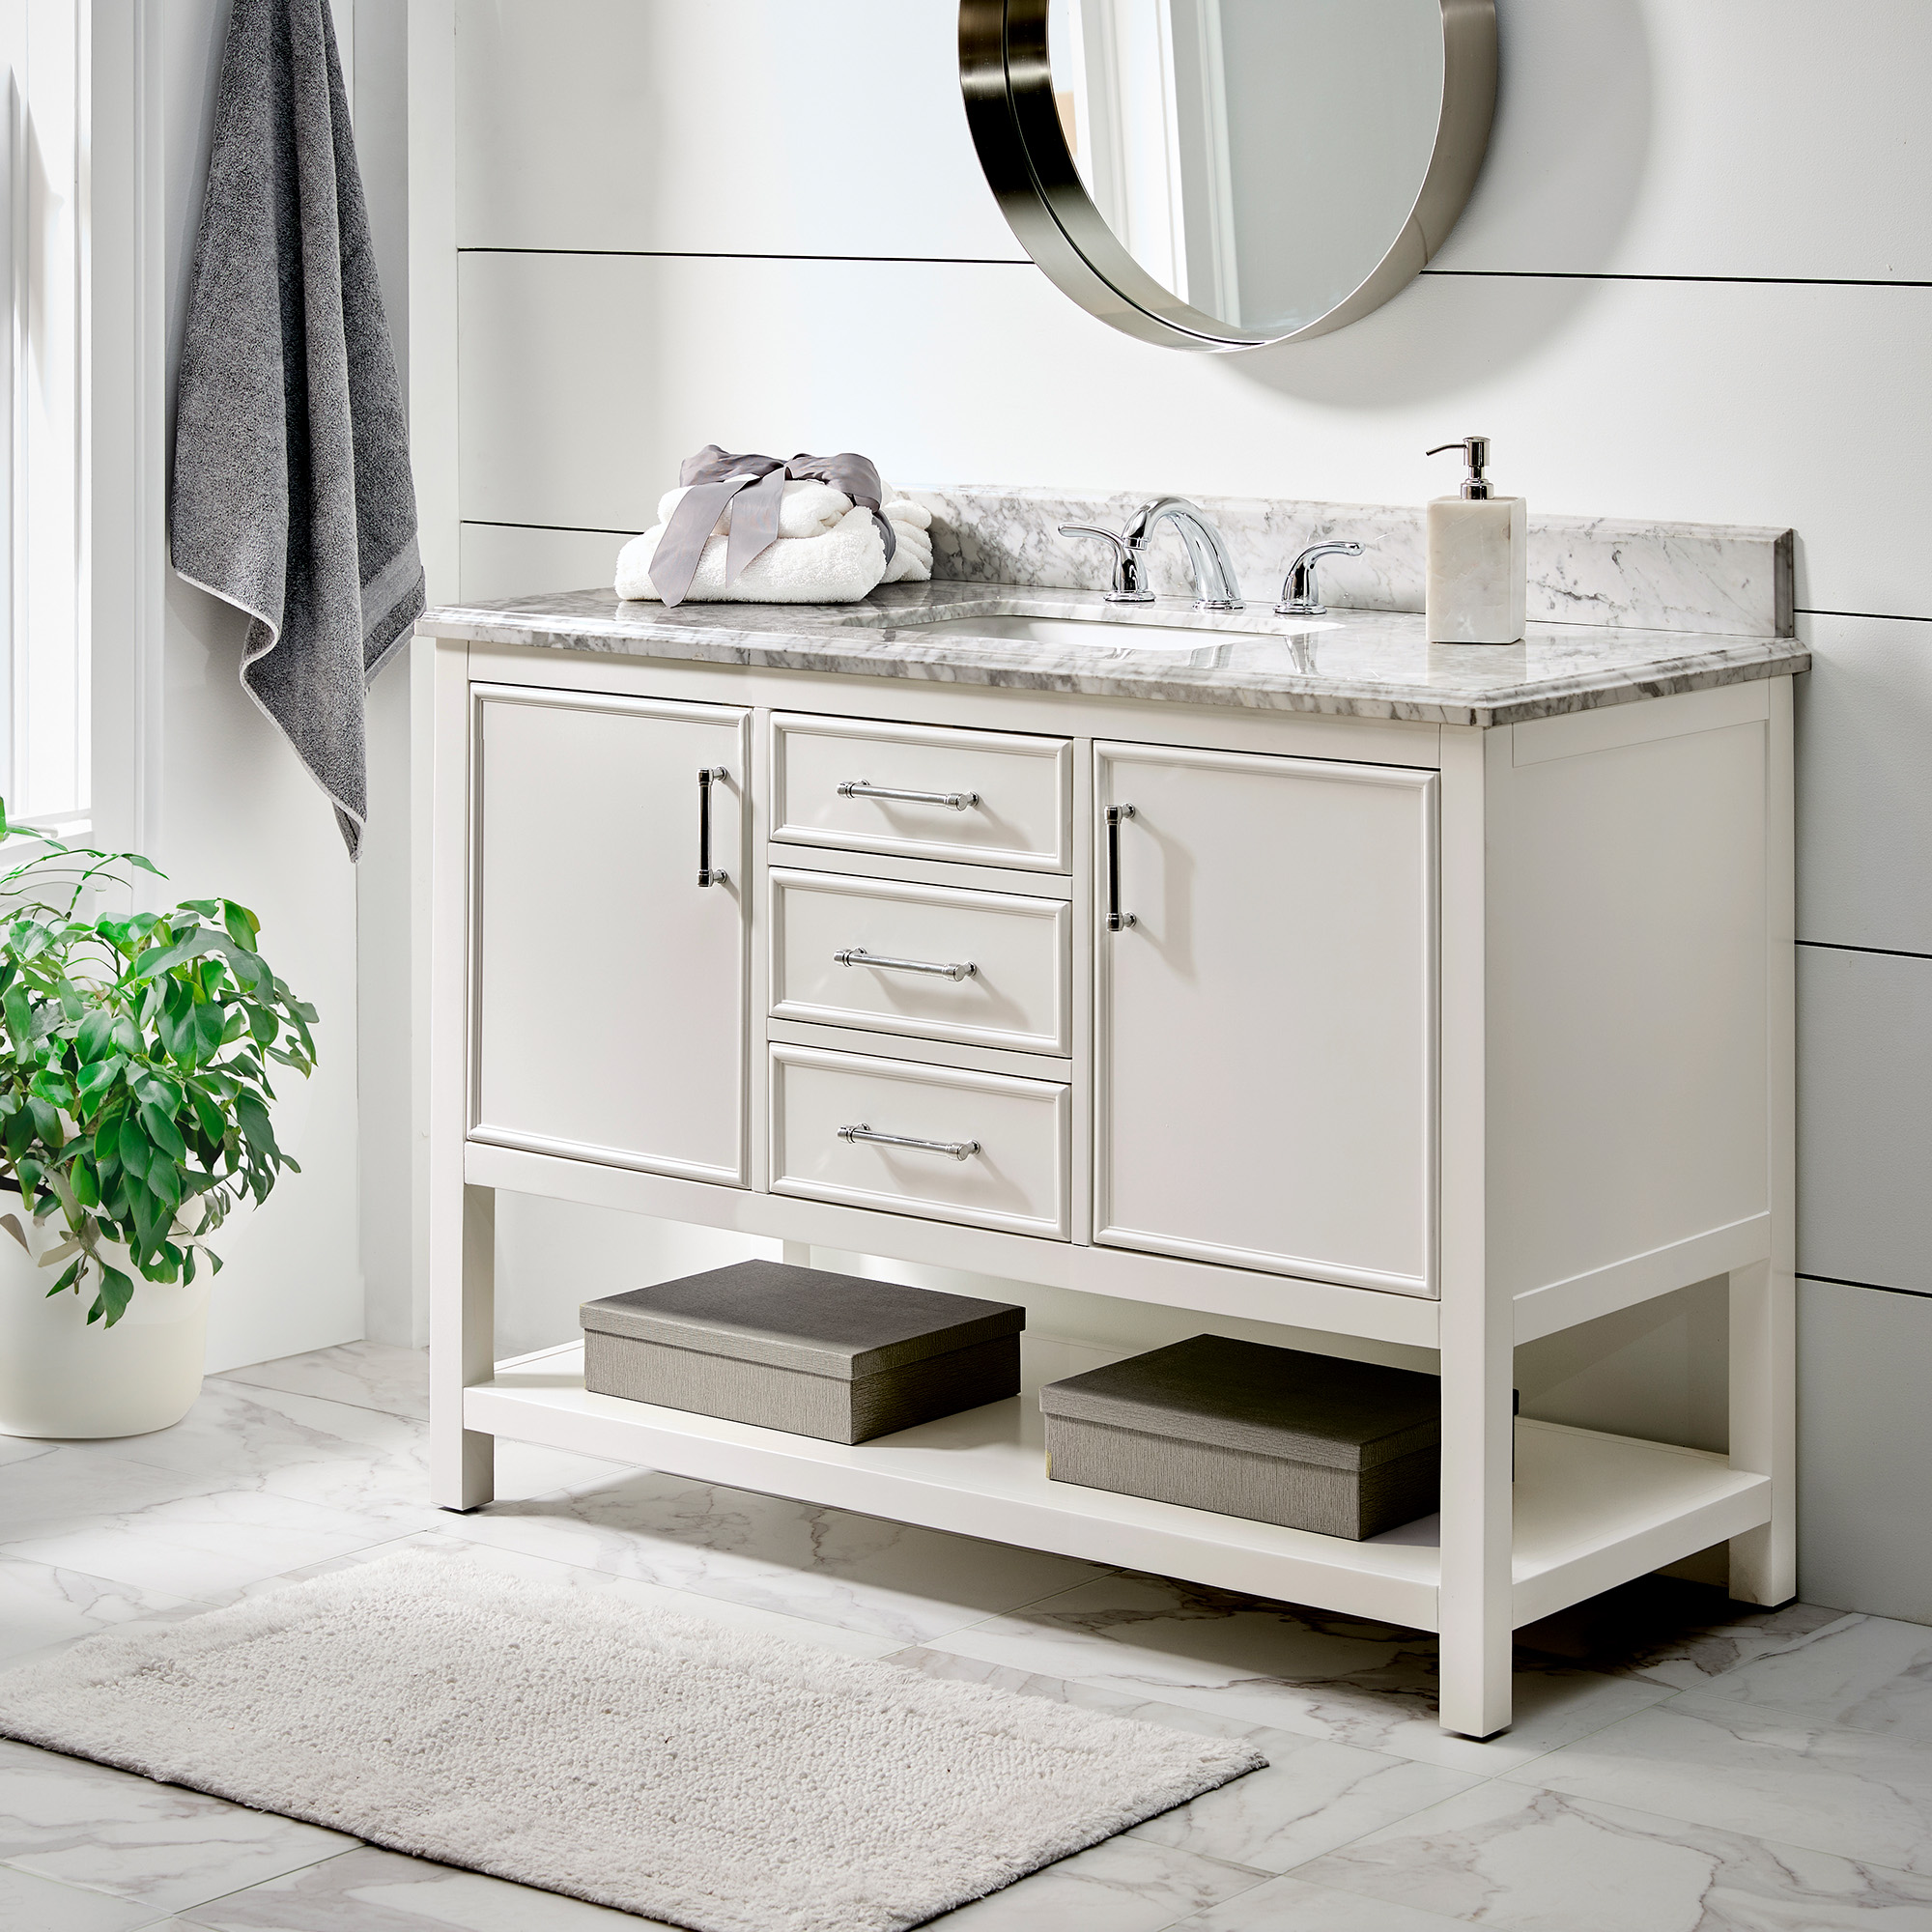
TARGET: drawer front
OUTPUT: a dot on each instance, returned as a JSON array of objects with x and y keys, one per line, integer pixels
[
  {"x": 1009, "y": 1140},
  {"x": 990, "y": 798},
  {"x": 846, "y": 952}
]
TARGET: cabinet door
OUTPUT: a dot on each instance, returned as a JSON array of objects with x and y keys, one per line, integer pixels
[
  {"x": 1266, "y": 1025},
  {"x": 611, "y": 988}
]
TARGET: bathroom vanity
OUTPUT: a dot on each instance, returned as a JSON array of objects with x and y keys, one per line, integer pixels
[{"x": 1289, "y": 970}]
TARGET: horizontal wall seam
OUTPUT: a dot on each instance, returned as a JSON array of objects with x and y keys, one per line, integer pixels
[
  {"x": 1878, "y": 1287},
  {"x": 1876, "y": 616},
  {"x": 1885, "y": 952},
  {"x": 751, "y": 255},
  {"x": 563, "y": 529},
  {"x": 1751, "y": 281}
]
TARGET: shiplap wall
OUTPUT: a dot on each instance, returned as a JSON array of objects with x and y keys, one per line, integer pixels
[{"x": 1696, "y": 283}]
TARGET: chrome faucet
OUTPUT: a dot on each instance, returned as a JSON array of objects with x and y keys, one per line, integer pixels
[
  {"x": 1299, "y": 595},
  {"x": 1215, "y": 585}
]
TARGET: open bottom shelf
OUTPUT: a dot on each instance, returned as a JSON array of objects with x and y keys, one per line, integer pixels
[{"x": 1591, "y": 1510}]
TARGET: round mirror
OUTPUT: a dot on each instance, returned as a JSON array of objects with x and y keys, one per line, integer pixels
[{"x": 1220, "y": 174}]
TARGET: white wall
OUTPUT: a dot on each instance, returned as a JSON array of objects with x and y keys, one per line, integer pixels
[
  {"x": 231, "y": 810},
  {"x": 1696, "y": 283}
]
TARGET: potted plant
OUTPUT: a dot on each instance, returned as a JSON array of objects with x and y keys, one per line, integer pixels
[{"x": 134, "y": 1121}]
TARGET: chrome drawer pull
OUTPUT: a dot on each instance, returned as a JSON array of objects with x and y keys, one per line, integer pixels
[
  {"x": 953, "y": 801},
  {"x": 958, "y": 1149},
  {"x": 854, "y": 956}
]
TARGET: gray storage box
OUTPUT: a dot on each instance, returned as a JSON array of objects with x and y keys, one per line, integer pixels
[
  {"x": 834, "y": 1355},
  {"x": 1308, "y": 1442}
]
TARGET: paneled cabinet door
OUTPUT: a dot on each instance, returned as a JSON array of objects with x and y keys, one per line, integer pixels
[
  {"x": 1267, "y": 1020},
  {"x": 610, "y": 984}
]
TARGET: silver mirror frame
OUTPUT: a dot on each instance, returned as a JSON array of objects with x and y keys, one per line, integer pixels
[{"x": 1007, "y": 76}]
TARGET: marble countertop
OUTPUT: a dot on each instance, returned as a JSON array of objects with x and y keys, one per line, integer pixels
[{"x": 1366, "y": 664}]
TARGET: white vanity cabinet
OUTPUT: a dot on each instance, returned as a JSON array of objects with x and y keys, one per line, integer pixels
[
  {"x": 1417, "y": 1033},
  {"x": 611, "y": 986}
]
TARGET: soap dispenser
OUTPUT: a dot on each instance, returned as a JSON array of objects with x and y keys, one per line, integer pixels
[{"x": 1478, "y": 558}]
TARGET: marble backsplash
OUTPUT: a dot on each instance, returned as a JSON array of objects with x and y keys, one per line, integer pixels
[{"x": 1702, "y": 577}]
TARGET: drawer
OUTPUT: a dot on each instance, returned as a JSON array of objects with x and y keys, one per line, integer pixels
[
  {"x": 1014, "y": 1179},
  {"x": 1015, "y": 995},
  {"x": 990, "y": 798}
]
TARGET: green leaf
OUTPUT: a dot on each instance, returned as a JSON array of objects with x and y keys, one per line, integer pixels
[
  {"x": 208, "y": 1021},
  {"x": 116, "y": 1293},
  {"x": 244, "y": 927},
  {"x": 19, "y": 1017},
  {"x": 164, "y": 1134},
  {"x": 66, "y": 1280},
  {"x": 86, "y": 1183},
  {"x": 206, "y": 908},
  {"x": 132, "y": 1146},
  {"x": 253, "y": 1120},
  {"x": 96, "y": 1036},
  {"x": 46, "y": 1121}
]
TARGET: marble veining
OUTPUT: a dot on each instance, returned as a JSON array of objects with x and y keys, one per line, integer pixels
[
  {"x": 1366, "y": 664},
  {"x": 1730, "y": 581}
]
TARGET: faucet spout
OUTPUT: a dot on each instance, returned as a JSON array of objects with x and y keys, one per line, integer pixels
[{"x": 1216, "y": 587}]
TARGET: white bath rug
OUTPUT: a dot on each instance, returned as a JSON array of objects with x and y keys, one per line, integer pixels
[{"x": 567, "y": 1740}]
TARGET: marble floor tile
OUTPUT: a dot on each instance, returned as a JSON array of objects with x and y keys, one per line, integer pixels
[
  {"x": 20, "y": 1448},
  {"x": 74, "y": 1484},
  {"x": 1294, "y": 1669},
  {"x": 1516, "y": 1861},
  {"x": 370, "y": 1375},
  {"x": 1312, "y": 1797},
  {"x": 1852, "y": 1792},
  {"x": 206, "y": 1546},
  {"x": 1862, "y": 1674},
  {"x": 1120, "y": 1886},
  {"x": 367, "y": 1890},
  {"x": 30, "y": 1903},
  {"x": 826, "y": 1565},
  {"x": 1669, "y": 1631},
  {"x": 1292, "y": 1905},
  {"x": 41, "y": 1605},
  {"x": 158, "y": 1845}
]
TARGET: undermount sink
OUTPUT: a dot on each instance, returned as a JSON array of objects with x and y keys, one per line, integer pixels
[{"x": 1114, "y": 634}]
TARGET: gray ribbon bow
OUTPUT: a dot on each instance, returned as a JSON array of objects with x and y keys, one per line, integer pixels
[{"x": 751, "y": 488}]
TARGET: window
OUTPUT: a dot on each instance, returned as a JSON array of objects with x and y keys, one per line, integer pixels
[{"x": 45, "y": 734}]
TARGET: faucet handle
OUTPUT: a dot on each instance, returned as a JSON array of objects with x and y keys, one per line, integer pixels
[
  {"x": 1299, "y": 595},
  {"x": 1129, "y": 579}
]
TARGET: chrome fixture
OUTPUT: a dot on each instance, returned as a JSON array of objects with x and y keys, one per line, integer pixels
[
  {"x": 1116, "y": 920},
  {"x": 953, "y": 801},
  {"x": 854, "y": 956},
  {"x": 708, "y": 874},
  {"x": 1215, "y": 585},
  {"x": 1300, "y": 595},
  {"x": 958, "y": 1149},
  {"x": 1476, "y": 454}
]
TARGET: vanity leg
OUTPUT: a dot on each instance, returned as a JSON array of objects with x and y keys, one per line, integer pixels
[
  {"x": 795, "y": 1253},
  {"x": 1763, "y": 1426},
  {"x": 1476, "y": 1601},
  {"x": 461, "y": 1350}
]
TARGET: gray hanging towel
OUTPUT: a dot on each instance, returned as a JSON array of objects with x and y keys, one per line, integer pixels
[{"x": 292, "y": 496}]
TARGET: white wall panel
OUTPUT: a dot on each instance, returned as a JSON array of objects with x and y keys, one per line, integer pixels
[
  {"x": 1707, "y": 137},
  {"x": 1865, "y": 805},
  {"x": 1864, "y": 1443},
  {"x": 1590, "y": 389},
  {"x": 748, "y": 127},
  {"x": 1864, "y": 1126},
  {"x": 501, "y": 561}
]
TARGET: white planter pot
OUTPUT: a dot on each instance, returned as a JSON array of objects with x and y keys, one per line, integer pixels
[{"x": 61, "y": 1376}]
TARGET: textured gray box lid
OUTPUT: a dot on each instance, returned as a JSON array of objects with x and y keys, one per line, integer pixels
[
  {"x": 842, "y": 1326},
  {"x": 1269, "y": 1401}
]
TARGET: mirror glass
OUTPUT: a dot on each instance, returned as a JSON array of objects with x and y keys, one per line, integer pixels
[{"x": 1255, "y": 157}]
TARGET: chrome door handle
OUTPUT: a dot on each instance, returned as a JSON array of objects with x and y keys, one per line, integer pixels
[
  {"x": 953, "y": 801},
  {"x": 958, "y": 1149},
  {"x": 854, "y": 956},
  {"x": 708, "y": 874},
  {"x": 1116, "y": 920}
]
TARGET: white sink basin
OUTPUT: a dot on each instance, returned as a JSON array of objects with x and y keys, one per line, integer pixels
[{"x": 1110, "y": 635}]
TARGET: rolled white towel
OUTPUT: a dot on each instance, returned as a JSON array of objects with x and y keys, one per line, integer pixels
[
  {"x": 839, "y": 567},
  {"x": 807, "y": 509}
]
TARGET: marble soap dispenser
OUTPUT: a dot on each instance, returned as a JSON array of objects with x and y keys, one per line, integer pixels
[{"x": 1478, "y": 558}]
